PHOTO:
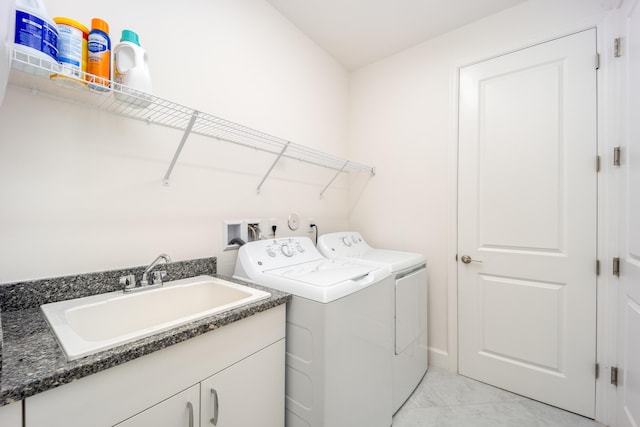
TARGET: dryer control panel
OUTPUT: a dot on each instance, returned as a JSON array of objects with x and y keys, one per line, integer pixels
[
  {"x": 343, "y": 244},
  {"x": 351, "y": 240},
  {"x": 351, "y": 245}
]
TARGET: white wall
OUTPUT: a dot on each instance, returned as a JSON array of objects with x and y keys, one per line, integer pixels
[
  {"x": 403, "y": 120},
  {"x": 82, "y": 191}
]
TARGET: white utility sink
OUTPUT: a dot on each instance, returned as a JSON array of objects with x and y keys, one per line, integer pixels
[{"x": 87, "y": 325}]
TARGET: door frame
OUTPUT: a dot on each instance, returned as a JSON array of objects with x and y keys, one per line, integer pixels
[
  {"x": 621, "y": 81},
  {"x": 607, "y": 27}
]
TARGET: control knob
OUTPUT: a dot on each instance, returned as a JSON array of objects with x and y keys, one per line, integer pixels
[{"x": 286, "y": 250}]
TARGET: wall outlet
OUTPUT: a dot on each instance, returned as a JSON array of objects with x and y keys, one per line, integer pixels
[{"x": 273, "y": 227}]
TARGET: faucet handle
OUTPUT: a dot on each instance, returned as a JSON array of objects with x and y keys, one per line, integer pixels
[
  {"x": 128, "y": 281},
  {"x": 158, "y": 276}
]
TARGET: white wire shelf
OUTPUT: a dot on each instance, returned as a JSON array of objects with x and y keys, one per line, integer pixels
[{"x": 46, "y": 78}]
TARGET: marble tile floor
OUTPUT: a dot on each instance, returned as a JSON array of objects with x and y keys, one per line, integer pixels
[{"x": 446, "y": 399}]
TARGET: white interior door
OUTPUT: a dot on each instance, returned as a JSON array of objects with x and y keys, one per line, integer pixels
[
  {"x": 628, "y": 413},
  {"x": 527, "y": 222}
]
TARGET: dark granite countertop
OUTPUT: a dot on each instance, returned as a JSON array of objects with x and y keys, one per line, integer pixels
[{"x": 32, "y": 361}]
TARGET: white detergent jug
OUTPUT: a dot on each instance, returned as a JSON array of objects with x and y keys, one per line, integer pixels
[{"x": 131, "y": 71}]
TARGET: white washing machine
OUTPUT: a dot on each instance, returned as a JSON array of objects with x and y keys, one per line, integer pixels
[
  {"x": 409, "y": 270},
  {"x": 339, "y": 332}
]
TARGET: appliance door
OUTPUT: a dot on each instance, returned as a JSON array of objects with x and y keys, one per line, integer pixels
[
  {"x": 410, "y": 307},
  {"x": 411, "y": 359},
  {"x": 7, "y": 30},
  {"x": 323, "y": 273}
]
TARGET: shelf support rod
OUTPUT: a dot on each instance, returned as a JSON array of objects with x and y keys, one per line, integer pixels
[
  {"x": 273, "y": 165},
  {"x": 334, "y": 178},
  {"x": 187, "y": 131}
]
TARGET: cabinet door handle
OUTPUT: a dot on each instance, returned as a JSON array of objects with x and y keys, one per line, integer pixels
[
  {"x": 214, "y": 395},
  {"x": 190, "y": 408}
]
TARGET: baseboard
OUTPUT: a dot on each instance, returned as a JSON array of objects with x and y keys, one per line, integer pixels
[{"x": 439, "y": 358}]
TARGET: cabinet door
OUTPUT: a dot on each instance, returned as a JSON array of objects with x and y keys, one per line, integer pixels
[
  {"x": 248, "y": 393},
  {"x": 11, "y": 415},
  {"x": 181, "y": 410}
]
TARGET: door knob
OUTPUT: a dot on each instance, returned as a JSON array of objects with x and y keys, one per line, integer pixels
[{"x": 467, "y": 259}]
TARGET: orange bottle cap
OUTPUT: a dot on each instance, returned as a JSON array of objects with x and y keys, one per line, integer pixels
[{"x": 99, "y": 24}]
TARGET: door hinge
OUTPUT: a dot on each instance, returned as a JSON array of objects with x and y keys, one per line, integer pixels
[
  {"x": 597, "y": 370},
  {"x": 597, "y": 267},
  {"x": 597, "y": 163},
  {"x": 616, "y": 47},
  {"x": 616, "y": 156},
  {"x": 614, "y": 376},
  {"x": 616, "y": 267},
  {"x": 597, "y": 61}
]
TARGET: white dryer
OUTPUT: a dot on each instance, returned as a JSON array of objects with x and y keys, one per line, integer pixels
[
  {"x": 339, "y": 332},
  {"x": 409, "y": 270}
]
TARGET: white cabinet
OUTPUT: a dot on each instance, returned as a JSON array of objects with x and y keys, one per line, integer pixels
[
  {"x": 181, "y": 410},
  {"x": 248, "y": 393},
  {"x": 11, "y": 415},
  {"x": 248, "y": 355}
]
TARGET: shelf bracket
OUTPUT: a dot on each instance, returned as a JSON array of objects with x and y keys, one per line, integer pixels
[
  {"x": 334, "y": 178},
  {"x": 187, "y": 131},
  {"x": 273, "y": 165}
]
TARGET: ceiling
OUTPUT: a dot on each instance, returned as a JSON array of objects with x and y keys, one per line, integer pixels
[{"x": 359, "y": 32}]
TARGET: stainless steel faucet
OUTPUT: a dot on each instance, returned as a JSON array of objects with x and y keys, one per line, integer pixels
[
  {"x": 158, "y": 275},
  {"x": 155, "y": 281}
]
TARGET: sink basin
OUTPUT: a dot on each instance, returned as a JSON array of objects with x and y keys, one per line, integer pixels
[{"x": 84, "y": 326}]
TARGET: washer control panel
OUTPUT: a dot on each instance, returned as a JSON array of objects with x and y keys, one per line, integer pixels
[
  {"x": 275, "y": 253},
  {"x": 288, "y": 248}
]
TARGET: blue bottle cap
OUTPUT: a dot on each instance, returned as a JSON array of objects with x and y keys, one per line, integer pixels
[{"x": 129, "y": 36}]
